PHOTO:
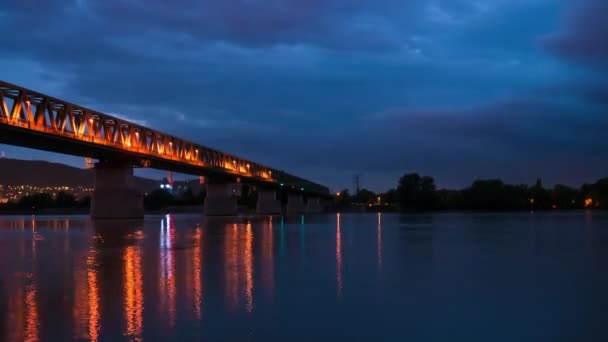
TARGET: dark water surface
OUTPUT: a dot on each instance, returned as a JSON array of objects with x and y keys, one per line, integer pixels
[{"x": 446, "y": 277}]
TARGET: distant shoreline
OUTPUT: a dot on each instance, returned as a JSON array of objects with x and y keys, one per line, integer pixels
[{"x": 199, "y": 210}]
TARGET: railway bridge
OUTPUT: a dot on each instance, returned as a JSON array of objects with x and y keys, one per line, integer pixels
[{"x": 34, "y": 120}]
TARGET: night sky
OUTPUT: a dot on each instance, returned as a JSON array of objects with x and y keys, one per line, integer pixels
[{"x": 454, "y": 89}]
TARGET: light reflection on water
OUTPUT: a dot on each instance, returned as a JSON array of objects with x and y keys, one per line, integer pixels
[
  {"x": 239, "y": 267},
  {"x": 133, "y": 291},
  {"x": 183, "y": 276},
  {"x": 167, "y": 270},
  {"x": 338, "y": 255},
  {"x": 197, "y": 267},
  {"x": 379, "y": 240}
]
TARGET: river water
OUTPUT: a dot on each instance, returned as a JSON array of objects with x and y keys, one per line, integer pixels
[{"x": 441, "y": 277}]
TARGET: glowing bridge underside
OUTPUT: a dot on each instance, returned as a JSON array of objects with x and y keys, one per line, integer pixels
[{"x": 34, "y": 120}]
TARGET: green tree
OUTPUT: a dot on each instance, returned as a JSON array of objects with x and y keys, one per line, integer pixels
[
  {"x": 564, "y": 197},
  {"x": 65, "y": 200},
  {"x": 364, "y": 196},
  {"x": 343, "y": 199},
  {"x": 84, "y": 202},
  {"x": 417, "y": 193},
  {"x": 601, "y": 190},
  {"x": 158, "y": 199},
  {"x": 36, "y": 201},
  {"x": 539, "y": 196},
  {"x": 484, "y": 195},
  {"x": 389, "y": 197}
]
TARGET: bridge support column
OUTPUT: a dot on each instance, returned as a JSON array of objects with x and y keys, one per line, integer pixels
[
  {"x": 268, "y": 202},
  {"x": 314, "y": 205},
  {"x": 115, "y": 196},
  {"x": 220, "y": 200},
  {"x": 295, "y": 204}
]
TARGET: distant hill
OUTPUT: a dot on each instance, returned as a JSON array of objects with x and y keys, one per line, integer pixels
[{"x": 43, "y": 173}]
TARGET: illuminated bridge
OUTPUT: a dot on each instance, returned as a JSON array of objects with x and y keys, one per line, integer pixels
[{"x": 35, "y": 120}]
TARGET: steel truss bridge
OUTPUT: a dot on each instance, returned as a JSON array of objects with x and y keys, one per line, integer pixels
[{"x": 34, "y": 120}]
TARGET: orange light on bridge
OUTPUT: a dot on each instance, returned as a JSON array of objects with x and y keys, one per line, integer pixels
[{"x": 588, "y": 202}]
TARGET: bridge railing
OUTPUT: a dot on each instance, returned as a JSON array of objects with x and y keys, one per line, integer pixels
[{"x": 23, "y": 108}]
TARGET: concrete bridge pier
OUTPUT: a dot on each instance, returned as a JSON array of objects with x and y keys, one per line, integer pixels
[
  {"x": 220, "y": 200},
  {"x": 115, "y": 196},
  {"x": 314, "y": 205},
  {"x": 268, "y": 202},
  {"x": 295, "y": 204}
]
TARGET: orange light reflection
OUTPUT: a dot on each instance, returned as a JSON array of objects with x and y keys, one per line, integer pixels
[
  {"x": 31, "y": 308},
  {"x": 238, "y": 256},
  {"x": 80, "y": 310},
  {"x": 197, "y": 265},
  {"x": 268, "y": 257},
  {"x": 231, "y": 260},
  {"x": 248, "y": 262},
  {"x": 338, "y": 256},
  {"x": 93, "y": 297},
  {"x": 133, "y": 291}
]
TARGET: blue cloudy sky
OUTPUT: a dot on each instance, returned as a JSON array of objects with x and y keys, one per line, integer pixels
[{"x": 456, "y": 89}]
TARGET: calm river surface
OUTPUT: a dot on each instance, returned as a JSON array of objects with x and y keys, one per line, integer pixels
[{"x": 444, "y": 277}]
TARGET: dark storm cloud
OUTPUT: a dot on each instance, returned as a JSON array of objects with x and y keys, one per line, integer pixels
[
  {"x": 598, "y": 94},
  {"x": 341, "y": 24},
  {"x": 584, "y": 39},
  {"x": 456, "y": 89}
]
